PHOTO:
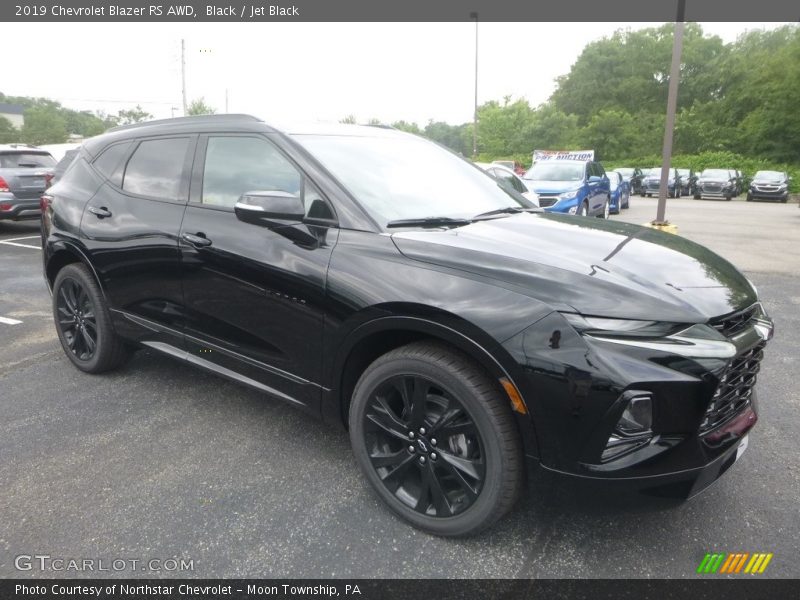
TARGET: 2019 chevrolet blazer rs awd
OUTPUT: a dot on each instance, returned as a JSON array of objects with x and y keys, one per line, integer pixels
[{"x": 377, "y": 280}]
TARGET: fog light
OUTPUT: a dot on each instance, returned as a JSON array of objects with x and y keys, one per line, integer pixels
[
  {"x": 573, "y": 210},
  {"x": 634, "y": 428},
  {"x": 638, "y": 415}
]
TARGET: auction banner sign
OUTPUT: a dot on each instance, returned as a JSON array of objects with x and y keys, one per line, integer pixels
[{"x": 543, "y": 155}]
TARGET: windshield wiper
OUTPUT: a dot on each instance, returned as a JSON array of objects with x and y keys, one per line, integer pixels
[
  {"x": 429, "y": 222},
  {"x": 508, "y": 210}
]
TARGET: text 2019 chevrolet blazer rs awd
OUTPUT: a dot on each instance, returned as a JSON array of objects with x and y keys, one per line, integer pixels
[{"x": 379, "y": 281}]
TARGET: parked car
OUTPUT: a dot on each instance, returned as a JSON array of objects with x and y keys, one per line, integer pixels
[
  {"x": 513, "y": 165},
  {"x": 688, "y": 181},
  {"x": 376, "y": 280},
  {"x": 571, "y": 187},
  {"x": 620, "y": 192},
  {"x": 769, "y": 185},
  {"x": 715, "y": 183},
  {"x": 652, "y": 182},
  {"x": 508, "y": 177},
  {"x": 738, "y": 181},
  {"x": 634, "y": 176},
  {"x": 24, "y": 174}
]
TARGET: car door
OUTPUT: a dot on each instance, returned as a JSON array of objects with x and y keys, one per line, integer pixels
[
  {"x": 254, "y": 295},
  {"x": 597, "y": 192},
  {"x": 130, "y": 231}
]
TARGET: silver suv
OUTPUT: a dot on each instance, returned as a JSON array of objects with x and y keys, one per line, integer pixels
[{"x": 25, "y": 173}]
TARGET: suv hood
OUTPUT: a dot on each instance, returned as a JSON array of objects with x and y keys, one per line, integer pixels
[{"x": 585, "y": 265}]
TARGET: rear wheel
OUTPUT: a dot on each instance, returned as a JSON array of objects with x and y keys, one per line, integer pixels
[
  {"x": 436, "y": 439},
  {"x": 83, "y": 322},
  {"x": 749, "y": 197},
  {"x": 607, "y": 209}
]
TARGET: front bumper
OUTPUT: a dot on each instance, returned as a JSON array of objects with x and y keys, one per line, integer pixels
[
  {"x": 702, "y": 406},
  {"x": 768, "y": 194},
  {"x": 715, "y": 191},
  {"x": 14, "y": 209}
]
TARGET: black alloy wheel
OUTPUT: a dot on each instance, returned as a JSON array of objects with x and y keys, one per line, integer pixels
[
  {"x": 83, "y": 322},
  {"x": 76, "y": 319},
  {"x": 436, "y": 439}
]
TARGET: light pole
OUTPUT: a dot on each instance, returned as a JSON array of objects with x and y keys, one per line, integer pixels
[
  {"x": 669, "y": 126},
  {"x": 474, "y": 15}
]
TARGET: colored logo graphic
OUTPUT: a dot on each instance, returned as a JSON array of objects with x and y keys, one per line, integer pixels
[{"x": 741, "y": 562}]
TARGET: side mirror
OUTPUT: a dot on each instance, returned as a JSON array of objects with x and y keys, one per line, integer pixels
[
  {"x": 271, "y": 208},
  {"x": 595, "y": 179}
]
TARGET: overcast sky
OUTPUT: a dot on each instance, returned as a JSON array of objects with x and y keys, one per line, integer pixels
[{"x": 301, "y": 71}]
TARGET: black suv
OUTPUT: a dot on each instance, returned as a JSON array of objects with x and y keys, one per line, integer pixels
[
  {"x": 25, "y": 172},
  {"x": 378, "y": 281}
]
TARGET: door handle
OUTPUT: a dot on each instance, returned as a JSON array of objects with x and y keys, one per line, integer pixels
[
  {"x": 198, "y": 239},
  {"x": 100, "y": 213}
]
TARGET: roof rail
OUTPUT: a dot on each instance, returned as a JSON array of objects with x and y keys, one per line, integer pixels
[{"x": 192, "y": 119}]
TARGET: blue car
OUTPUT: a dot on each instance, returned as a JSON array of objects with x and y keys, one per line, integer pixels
[
  {"x": 574, "y": 187},
  {"x": 652, "y": 182},
  {"x": 620, "y": 192}
]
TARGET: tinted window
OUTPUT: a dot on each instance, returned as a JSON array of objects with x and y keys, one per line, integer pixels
[
  {"x": 109, "y": 163},
  {"x": 235, "y": 165},
  {"x": 33, "y": 160},
  {"x": 156, "y": 168}
]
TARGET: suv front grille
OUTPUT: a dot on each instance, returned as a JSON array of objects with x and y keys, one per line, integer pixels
[
  {"x": 545, "y": 201},
  {"x": 735, "y": 388},
  {"x": 735, "y": 323}
]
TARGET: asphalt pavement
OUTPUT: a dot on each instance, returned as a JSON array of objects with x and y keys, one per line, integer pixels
[{"x": 160, "y": 461}]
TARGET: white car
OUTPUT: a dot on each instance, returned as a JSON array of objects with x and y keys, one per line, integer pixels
[{"x": 502, "y": 173}]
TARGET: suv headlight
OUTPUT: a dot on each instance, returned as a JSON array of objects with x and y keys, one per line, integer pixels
[
  {"x": 621, "y": 327},
  {"x": 684, "y": 339},
  {"x": 568, "y": 195}
]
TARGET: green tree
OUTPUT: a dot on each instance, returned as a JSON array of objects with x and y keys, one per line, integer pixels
[
  {"x": 8, "y": 133},
  {"x": 349, "y": 120},
  {"x": 44, "y": 125},
  {"x": 408, "y": 127},
  {"x": 199, "y": 107},
  {"x": 133, "y": 115}
]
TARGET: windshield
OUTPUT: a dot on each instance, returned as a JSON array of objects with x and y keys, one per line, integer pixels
[
  {"x": 34, "y": 160},
  {"x": 614, "y": 179},
  {"x": 716, "y": 174},
  {"x": 656, "y": 172},
  {"x": 769, "y": 175},
  {"x": 625, "y": 172},
  {"x": 406, "y": 177},
  {"x": 555, "y": 171}
]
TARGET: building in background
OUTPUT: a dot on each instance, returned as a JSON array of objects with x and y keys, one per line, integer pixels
[{"x": 14, "y": 113}]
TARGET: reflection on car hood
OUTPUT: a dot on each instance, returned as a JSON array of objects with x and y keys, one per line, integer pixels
[
  {"x": 600, "y": 268},
  {"x": 543, "y": 186}
]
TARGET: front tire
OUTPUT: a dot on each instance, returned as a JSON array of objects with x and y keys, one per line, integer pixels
[
  {"x": 436, "y": 439},
  {"x": 584, "y": 209},
  {"x": 83, "y": 322}
]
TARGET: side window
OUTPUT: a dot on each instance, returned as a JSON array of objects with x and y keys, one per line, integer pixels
[
  {"x": 109, "y": 163},
  {"x": 235, "y": 165},
  {"x": 589, "y": 170},
  {"x": 599, "y": 169},
  {"x": 156, "y": 168}
]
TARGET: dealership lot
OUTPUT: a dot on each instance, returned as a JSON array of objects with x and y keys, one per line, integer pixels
[{"x": 160, "y": 461}]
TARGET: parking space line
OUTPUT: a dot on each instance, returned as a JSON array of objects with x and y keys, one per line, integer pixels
[
  {"x": 21, "y": 245},
  {"x": 27, "y": 237},
  {"x": 8, "y": 321}
]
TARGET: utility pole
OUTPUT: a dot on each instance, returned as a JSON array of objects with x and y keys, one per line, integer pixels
[
  {"x": 474, "y": 15},
  {"x": 669, "y": 126},
  {"x": 183, "y": 75}
]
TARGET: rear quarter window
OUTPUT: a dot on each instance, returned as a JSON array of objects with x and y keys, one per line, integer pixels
[{"x": 110, "y": 162}]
